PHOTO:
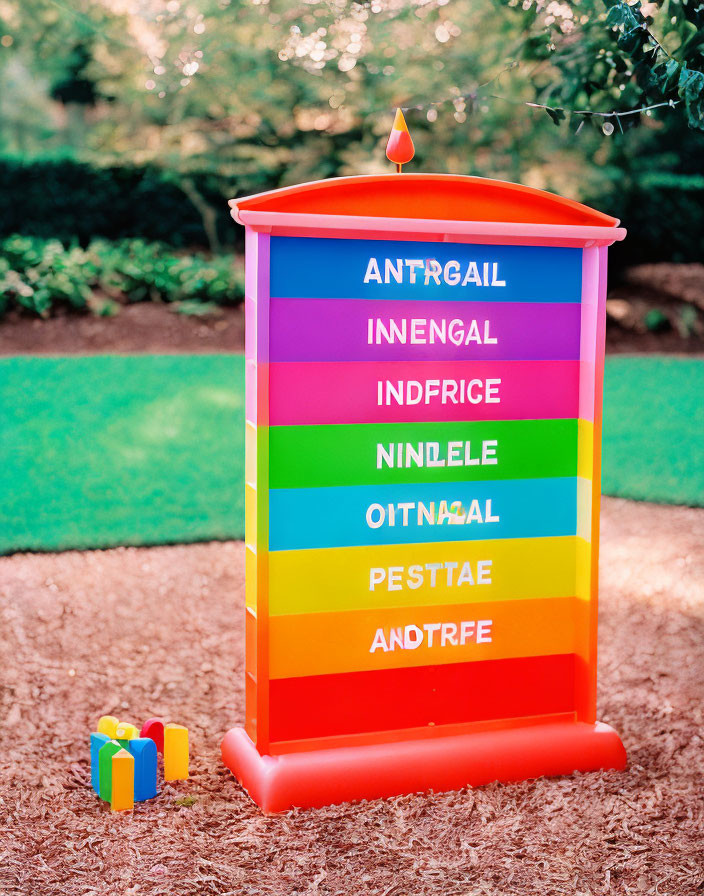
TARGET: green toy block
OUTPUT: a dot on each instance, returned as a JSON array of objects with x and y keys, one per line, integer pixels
[{"x": 107, "y": 751}]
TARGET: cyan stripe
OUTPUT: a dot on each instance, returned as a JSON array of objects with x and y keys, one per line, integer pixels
[{"x": 337, "y": 517}]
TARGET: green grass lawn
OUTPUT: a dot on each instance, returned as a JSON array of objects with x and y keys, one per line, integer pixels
[
  {"x": 106, "y": 450},
  {"x": 653, "y": 436},
  {"x": 109, "y": 450}
]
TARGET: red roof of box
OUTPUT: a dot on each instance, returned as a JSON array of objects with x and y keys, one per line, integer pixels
[{"x": 446, "y": 197}]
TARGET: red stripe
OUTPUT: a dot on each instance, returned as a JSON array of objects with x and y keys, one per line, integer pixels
[{"x": 356, "y": 702}]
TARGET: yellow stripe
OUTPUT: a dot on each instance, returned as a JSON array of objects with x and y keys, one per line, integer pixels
[
  {"x": 250, "y": 578},
  {"x": 584, "y": 566},
  {"x": 338, "y": 579},
  {"x": 585, "y": 448},
  {"x": 584, "y": 508},
  {"x": 250, "y": 515},
  {"x": 250, "y": 452},
  {"x": 585, "y": 470}
]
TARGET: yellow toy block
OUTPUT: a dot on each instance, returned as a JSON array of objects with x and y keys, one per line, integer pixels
[
  {"x": 175, "y": 753},
  {"x": 122, "y": 795},
  {"x": 107, "y": 725},
  {"x": 126, "y": 731}
]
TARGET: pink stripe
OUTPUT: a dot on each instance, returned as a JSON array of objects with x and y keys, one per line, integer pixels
[
  {"x": 347, "y": 392},
  {"x": 263, "y": 297},
  {"x": 257, "y": 328},
  {"x": 586, "y": 391},
  {"x": 250, "y": 391},
  {"x": 250, "y": 270},
  {"x": 257, "y": 393},
  {"x": 250, "y": 328},
  {"x": 600, "y": 339},
  {"x": 588, "y": 325}
]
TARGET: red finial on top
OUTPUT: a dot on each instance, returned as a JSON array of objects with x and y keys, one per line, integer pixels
[{"x": 400, "y": 148}]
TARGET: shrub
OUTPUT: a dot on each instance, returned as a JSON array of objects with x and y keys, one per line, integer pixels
[{"x": 39, "y": 275}]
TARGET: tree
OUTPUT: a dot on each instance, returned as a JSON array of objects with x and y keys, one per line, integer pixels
[
  {"x": 614, "y": 55},
  {"x": 249, "y": 95}
]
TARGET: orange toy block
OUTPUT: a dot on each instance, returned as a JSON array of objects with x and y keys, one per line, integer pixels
[
  {"x": 175, "y": 753},
  {"x": 122, "y": 794}
]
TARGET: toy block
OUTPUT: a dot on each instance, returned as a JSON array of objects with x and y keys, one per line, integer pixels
[
  {"x": 122, "y": 791},
  {"x": 175, "y": 753},
  {"x": 107, "y": 725},
  {"x": 124, "y": 732},
  {"x": 144, "y": 751},
  {"x": 96, "y": 742},
  {"x": 105, "y": 754},
  {"x": 154, "y": 728}
]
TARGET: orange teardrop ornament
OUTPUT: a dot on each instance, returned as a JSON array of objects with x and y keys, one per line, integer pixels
[{"x": 400, "y": 148}]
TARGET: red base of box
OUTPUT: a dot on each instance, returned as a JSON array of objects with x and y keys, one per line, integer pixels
[{"x": 322, "y": 777}]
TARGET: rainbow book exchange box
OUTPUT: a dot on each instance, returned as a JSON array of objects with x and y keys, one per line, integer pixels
[{"x": 424, "y": 361}]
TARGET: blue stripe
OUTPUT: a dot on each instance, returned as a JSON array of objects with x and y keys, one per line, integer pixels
[
  {"x": 311, "y": 268},
  {"x": 337, "y": 517}
]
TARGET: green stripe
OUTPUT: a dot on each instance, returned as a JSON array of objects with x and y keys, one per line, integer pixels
[{"x": 330, "y": 455}]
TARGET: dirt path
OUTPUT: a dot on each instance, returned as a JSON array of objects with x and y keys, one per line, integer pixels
[
  {"x": 145, "y": 327},
  {"x": 140, "y": 632}
]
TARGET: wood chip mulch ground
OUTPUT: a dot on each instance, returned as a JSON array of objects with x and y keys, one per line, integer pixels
[{"x": 158, "y": 631}]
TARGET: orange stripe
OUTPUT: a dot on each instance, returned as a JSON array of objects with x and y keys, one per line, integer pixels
[{"x": 326, "y": 643}]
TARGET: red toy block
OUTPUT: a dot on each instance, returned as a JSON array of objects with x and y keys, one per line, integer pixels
[{"x": 154, "y": 729}]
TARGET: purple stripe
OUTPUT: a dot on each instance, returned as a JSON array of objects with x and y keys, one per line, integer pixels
[{"x": 338, "y": 330}]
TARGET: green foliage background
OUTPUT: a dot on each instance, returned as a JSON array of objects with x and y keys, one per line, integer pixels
[{"x": 138, "y": 120}]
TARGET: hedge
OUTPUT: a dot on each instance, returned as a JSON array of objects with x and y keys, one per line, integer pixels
[
  {"x": 76, "y": 202},
  {"x": 664, "y": 216},
  {"x": 40, "y": 275}
]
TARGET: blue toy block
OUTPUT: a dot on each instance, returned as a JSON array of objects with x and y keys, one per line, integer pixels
[
  {"x": 96, "y": 742},
  {"x": 144, "y": 751}
]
